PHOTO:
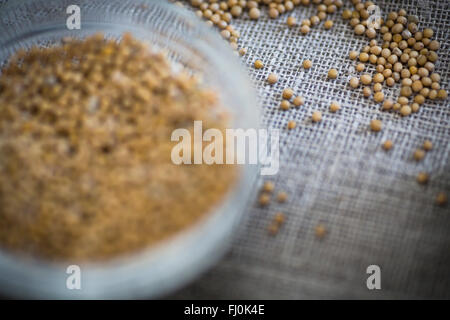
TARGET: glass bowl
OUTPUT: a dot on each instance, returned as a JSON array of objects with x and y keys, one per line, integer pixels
[{"x": 160, "y": 269}]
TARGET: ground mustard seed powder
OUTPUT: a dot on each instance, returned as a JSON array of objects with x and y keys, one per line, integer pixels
[{"x": 85, "y": 150}]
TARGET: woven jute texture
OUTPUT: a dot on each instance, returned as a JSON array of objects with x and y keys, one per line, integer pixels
[{"x": 337, "y": 175}]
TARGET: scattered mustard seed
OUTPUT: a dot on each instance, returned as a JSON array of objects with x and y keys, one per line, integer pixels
[
  {"x": 332, "y": 74},
  {"x": 387, "y": 145},
  {"x": 287, "y": 93},
  {"x": 320, "y": 231},
  {"x": 272, "y": 78},
  {"x": 298, "y": 101},
  {"x": 427, "y": 145},
  {"x": 285, "y": 105},
  {"x": 334, "y": 107},
  {"x": 268, "y": 186},
  {"x": 419, "y": 154},
  {"x": 441, "y": 199},
  {"x": 375, "y": 125},
  {"x": 328, "y": 24},
  {"x": 422, "y": 178},
  {"x": 264, "y": 199},
  {"x": 282, "y": 196},
  {"x": 354, "y": 82},
  {"x": 316, "y": 116},
  {"x": 291, "y": 21},
  {"x": 258, "y": 64},
  {"x": 307, "y": 64},
  {"x": 291, "y": 125}
]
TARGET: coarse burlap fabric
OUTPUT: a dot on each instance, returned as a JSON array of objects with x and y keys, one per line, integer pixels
[{"x": 337, "y": 174}]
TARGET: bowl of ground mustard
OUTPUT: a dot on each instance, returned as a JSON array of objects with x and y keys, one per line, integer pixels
[{"x": 102, "y": 191}]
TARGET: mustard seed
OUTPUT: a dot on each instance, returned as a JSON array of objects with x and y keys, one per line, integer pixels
[
  {"x": 375, "y": 125},
  {"x": 353, "y": 55},
  {"x": 366, "y": 79},
  {"x": 285, "y": 105},
  {"x": 254, "y": 13},
  {"x": 287, "y": 93},
  {"x": 320, "y": 231},
  {"x": 268, "y": 186},
  {"x": 307, "y": 64},
  {"x": 316, "y": 116},
  {"x": 291, "y": 21},
  {"x": 334, "y": 107},
  {"x": 378, "y": 96},
  {"x": 427, "y": 145},
  {"x": 328, "y": 24},
  {"x": 360, "y": 67},
  {"x": 441, "y": 199},
  {"x": 387, "y": 145},
  {"x": 282, "y": 196},
  {"x": 419, "y": 154},
  {"x": 272, "y": 78},
  {"x": 298, "y": 101},
  {"x": 354, "y": 82},
  {"x": 291, "y": 125},
  {"x": 388, "y": 104},
  {"x": 258, "y": 64},
  {"x": 304, "y": 29},
  {"x": 264, "y": 199},
  {"x": 422, "y": 178},
  {"x": 332, "y": 74},
  {"x": 367, "y": 92},
  {"x": 405, "y": 110}
]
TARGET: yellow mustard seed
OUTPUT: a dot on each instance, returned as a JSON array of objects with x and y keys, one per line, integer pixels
[
  {"x": 291, "y": 125},
  {"x": 298, "y": 101},
  {"x": 375, "y": 125},
  {"x": 360, "y": 67},
  {"x": 388, "y": 104},
  {"x": 353, "y": 55},
  {"x": 304, "y": 29},
  {"x": 320, "y": 231},
  {"x": 287, "y": 93},
  {"x": 268, "y": 186},
  {"x": 291, "y": 21},
  {"x": 419, "y": 154},
  {"x": 422, "y": 178},
  {"x": 405, "y": 110},
  {"x": 259, "y": 64},
  {"x": 272, "y": 78},
  {"x": 279, "y": 218},
  {"x": 328, "y": 24},
  {"x": 334, "y": 107},
  {"x": 366, "y": 79},
  {"x": 282, "y": 196},
  {"x": 254, "y": 13},
  {"x": 367, "y": 92},
  {"x": 332, "y": 74},
  {"x": 441, "y": 199},
  {"x": 427, "y": 145},
  {"x": 354, "y": 82},
  {"x": 316, "y": 116},
  {"x": 387, "y": 145},
  {"x": 307, "y": 64},
  {"x": 285, "y": 105},
  {"x": 378, "y": 96},
  {"x": 264, "y": 199}
]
